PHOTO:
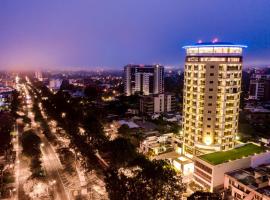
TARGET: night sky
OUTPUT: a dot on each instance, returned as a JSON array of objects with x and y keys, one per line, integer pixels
[{"x": 112, "y": 33}]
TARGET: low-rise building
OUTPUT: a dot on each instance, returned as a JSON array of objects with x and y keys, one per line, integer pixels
[
  {"x": 156, "y": 143},
  {"x": 5, "y": 97},
  {"x": 157, "y": 103},
  {"x": 160, "y": 143},
  {"x": 249, "y": 183},
  {"x": 209, "y": 169},
  {"x": 186, "y": 166},
  {"x": 171, "y": 117},
  {"x": 257, "y": 114},
  {"x": 111, "y": 129}
]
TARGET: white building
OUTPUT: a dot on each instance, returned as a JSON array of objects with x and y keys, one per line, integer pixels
[
  {"x": 38, "y": 75},
  {"x": 212, "y": 88},
  {"x": 157, "y": 143},
  {"x": 55, "y": 84},
  {"x": 157, "y": 103},
  {"x": 210, "y": 168},
  {"x": 144, "y": 79}
]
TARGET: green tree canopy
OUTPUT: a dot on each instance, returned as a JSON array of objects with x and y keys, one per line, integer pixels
[
  {"x": 123, "y": 130},
  {"x": 155, "y": 180},
  {"x": 204, "y": 196},
  {"x": 6, "y": 122},
  {"x": 30, "y": 143}
]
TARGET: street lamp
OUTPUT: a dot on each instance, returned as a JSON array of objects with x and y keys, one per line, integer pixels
[{"x": 63, "y": 115}]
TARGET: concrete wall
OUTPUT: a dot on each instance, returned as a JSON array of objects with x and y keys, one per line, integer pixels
[{"x": 221, "y": 169}]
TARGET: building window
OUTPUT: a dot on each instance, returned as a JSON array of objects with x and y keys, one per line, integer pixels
[
  {"x": 210, "y": 89},
  {"x": 211, "y": 82},
  {"x": 210, "y": 104},
  {"x": 210, "y": 97},
  {"x": 209, "y": 111},
  {"x": 211, "y": 74},
  {"x": 208, "y": 126},
  {"x": 212, "y": 66},
  {"x": 203, "y": 167},
  {"x": 208, "y": 119}
]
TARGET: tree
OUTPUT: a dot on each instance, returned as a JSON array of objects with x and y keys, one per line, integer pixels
[
  {"x": 65, "y": 85},
  {"x": 30, "y": 143},
  {"x": 204, "y": 196},
  {"x": 162, "y": 180},
  {"x": 175, "y": 128},
  {"x": 36, "y": 168},
  {"x": 15, "y": 102},
  {"x": 67, "y": 158},
  {"x": 122, "y": 151},
  {"x": 116, "y": 185},
  {"x": 155, "y": 180},
  {"x": 123, "y": 130},
  {"x": 94, "y": 130},
  {"x": 26, "y": 120},
  {"x": 6, "y": 124},
  {"x": 91, "y": 93}
]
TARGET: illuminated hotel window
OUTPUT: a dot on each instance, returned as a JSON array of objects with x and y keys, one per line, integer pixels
[
  {"x": 233, "y": 59},
  {"x": 221, "y": 67},
  {"x": 214, "y": 59}
]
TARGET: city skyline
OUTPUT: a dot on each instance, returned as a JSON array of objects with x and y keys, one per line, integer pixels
[
  {"x": 131, "y": 100},
  {"x": 87, "y": 33}
]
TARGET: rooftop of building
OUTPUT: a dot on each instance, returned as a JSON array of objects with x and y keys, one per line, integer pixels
[
  {"x": 219, "y": 157},
  {"x": 264, "y": 190},
  {"x": 258, "y": 110},
  {"x": 167, "y": 155},
  {"x": 254, "y": 178},
  {"x": 144, "y": 65},
  {"x": 130, "y": 124},
  {"x": 214, "y": 44}
]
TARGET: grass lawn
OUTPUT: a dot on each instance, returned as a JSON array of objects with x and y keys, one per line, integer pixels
[{"x": 224, "y": 156}]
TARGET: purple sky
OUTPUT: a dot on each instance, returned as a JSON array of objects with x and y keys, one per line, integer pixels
[{"x": 112, "y": 33}]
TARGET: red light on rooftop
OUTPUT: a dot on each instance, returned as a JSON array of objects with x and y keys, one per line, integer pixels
[{"x": 215, "y": 40}]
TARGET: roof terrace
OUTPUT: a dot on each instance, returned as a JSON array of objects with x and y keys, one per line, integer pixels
[{"x": 219, "y": 157}]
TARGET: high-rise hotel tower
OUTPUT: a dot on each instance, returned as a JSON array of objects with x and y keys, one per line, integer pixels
[{"x": 212, "y": 88}]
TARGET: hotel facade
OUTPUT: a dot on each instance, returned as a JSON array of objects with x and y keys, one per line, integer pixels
[{"x": 212, "y": 88}]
